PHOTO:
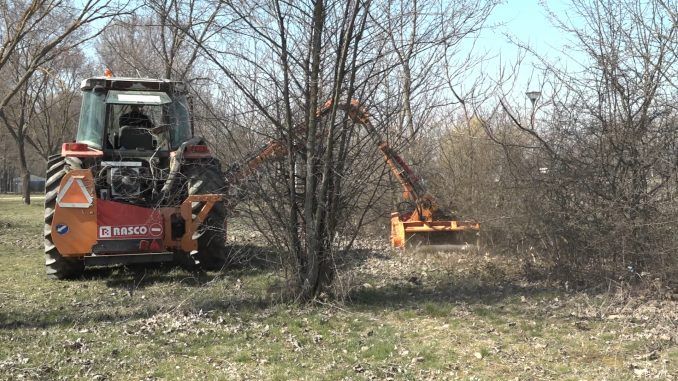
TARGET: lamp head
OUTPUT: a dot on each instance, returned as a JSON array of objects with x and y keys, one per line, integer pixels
[{"x": 533, "y": 96}]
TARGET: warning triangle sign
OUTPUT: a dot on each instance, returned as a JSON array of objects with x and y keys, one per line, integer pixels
[{"x": 74, "y": 194}]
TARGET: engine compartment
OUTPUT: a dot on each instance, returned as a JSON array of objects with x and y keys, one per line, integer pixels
[{"x": 136, "y": 180}]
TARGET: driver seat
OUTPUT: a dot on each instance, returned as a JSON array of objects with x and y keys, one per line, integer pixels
[{"x": 132, "y": 137}]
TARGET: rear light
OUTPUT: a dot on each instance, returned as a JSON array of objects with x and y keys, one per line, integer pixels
[
  {"x": 197, "y": 149},
  {"x": 156, "y": 245},
  {"x": 79, "y": 150},
  {"x": 75, "y": 147}
]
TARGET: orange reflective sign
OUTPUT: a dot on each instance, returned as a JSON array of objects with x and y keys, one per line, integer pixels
[{"x": 74, "y": 194}]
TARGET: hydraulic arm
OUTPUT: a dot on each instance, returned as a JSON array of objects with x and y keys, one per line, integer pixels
[{"x": 421, "y": 222}]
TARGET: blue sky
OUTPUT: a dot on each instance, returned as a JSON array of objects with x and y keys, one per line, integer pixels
[{"x": 526, "y": 21}]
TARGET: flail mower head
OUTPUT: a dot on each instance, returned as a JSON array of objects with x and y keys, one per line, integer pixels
[{"x": 433, "y": 235}]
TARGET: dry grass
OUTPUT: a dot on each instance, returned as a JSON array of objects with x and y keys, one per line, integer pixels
[{"x": 441, "y": 316}]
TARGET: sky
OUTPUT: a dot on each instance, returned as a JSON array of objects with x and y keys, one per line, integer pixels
[{"x": 526, "y": 21}]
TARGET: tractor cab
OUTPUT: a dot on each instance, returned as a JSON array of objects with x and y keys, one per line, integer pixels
[
  {"x": 129, "y": 131},
  {"x": 132, "y": 114}
]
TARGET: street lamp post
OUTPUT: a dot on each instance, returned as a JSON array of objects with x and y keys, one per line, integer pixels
[{"x": 533, "y": 96}]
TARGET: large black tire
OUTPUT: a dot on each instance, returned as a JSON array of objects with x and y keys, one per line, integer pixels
[
  {"x": 206, "y": 178},
  {"x": 56, "y": 266}
]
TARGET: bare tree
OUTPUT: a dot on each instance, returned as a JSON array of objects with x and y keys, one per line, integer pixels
[
  {"x": 57, "y": 103},
  {"x": 153, "y": 42},
  {"x": 284, "y": 60},
  {"x": 604, "y": 133},
  {"x": 421, "y": 35},
  {"x": 33, "y": 33}
]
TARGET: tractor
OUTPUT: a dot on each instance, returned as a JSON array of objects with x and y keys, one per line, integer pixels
[{"x": 135, "y": 186}]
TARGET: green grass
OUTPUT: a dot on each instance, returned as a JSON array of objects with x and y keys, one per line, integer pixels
[{"x": 458, "y": 322}]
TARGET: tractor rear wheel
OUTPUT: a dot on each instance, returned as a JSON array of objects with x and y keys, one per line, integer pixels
[
  {"x": 57, "y": 266},
  {"x": 206, "y": 178}
]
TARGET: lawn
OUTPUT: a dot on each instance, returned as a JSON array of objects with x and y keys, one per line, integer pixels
[{"x": 410, "y": 316}]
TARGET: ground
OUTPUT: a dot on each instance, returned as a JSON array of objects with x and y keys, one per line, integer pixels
[{"x": 468, "y": 316}]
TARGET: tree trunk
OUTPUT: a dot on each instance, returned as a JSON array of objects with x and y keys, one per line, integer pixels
[
  {"x": 25, "y": 174},
  {"x": 407, "y": 100},
  {"x": 309, "y": 272},
  {"x": 293, "y": 226}
]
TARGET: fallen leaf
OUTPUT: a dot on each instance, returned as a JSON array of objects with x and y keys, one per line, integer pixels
[{"x": 417, "y": 359}]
